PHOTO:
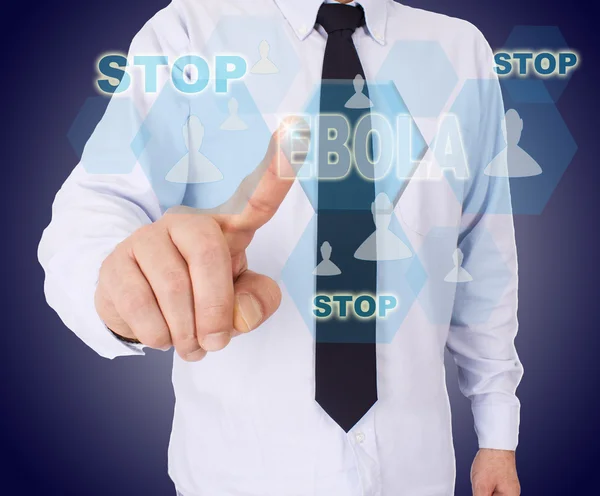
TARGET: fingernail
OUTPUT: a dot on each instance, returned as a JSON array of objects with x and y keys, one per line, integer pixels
[
  {"x": 250, "y": 311},
  {"x": 216, "y": 341}
]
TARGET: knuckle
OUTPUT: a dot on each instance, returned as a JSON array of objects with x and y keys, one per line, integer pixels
[
  {"x": 217, "y": 308},
  {"x": 215, "y": 316},
  {"x": 176, "y": 281},
  {"x": 110, "y": 263},
  {"x": 135, "y": 301},
  {"x": 210, "y": 250},
  {"x": 143, "y": 240},
  {"x": 107, "y": 262},
  {"x": 178, "y": 213},
  {"x": 193, "y": 223},
  {"x": 144, "y": 234},
  {"x": 260, "y": 205},
  {"x": 208, "y": 253}
]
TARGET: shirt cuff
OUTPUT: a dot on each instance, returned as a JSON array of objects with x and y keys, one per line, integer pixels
[
  {"x": 100, "y": 338},
  {"x": 497, "y": 425},
  {"x": 136, "y": 348},
  {"x": 78, "y": 312}
]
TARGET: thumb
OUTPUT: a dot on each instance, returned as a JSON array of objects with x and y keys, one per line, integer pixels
[{"x": 257, "y": 297}]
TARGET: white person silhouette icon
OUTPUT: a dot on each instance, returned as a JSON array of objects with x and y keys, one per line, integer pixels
[
  {"x": 513, "y": 161},
  {"x": 234, "y": 122},
  {"x": 383, "y": 244},
  {"x": 458, "y": 273},
  {"x": 194, "y": 167},
  {"x": 264, "y": 65},
  {"x": 359, "y": 100},
  {"x": 326, "y": 267}
]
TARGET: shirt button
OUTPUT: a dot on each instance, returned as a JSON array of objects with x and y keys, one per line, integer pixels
[
  {"x": 302, "y": 30},
  {"x": 360, "y": 437}
]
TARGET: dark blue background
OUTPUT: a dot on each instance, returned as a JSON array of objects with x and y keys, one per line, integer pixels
[{"x": 73, "y": 423}]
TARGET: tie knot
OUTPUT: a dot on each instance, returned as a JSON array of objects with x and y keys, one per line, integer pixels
[{"x": 339, "y": 17}]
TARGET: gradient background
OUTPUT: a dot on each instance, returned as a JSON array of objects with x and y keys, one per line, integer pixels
[{"x": 72, "y": 423}]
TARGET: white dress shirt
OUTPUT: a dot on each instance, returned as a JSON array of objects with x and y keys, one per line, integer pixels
[{"x": 246, "y": 422}]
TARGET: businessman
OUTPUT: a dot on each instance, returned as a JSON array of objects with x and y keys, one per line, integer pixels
[{"x": 265, "y": 406}]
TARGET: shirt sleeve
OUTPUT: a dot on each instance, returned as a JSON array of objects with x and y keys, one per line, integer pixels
[
  {"x": 107, "y": 196},
  {"x": 484, "y": 321}
]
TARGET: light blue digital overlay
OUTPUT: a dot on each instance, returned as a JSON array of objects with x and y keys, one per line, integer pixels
[
  {"x": 479, "y": 111},
  {"x": 539, "y": 151},
  {"x": 272, "y": 62},
  {"x": 398, "y": 145},
  {"x": 402, "y": 279},
  {"x": 532, "y": 88},
  {"x": 516, "y": 152},
  {"x": 102, "y": 135},
  {"x": 480, "y": 276},
  {"x": 197, "y": 149},
  {"x": 423, "y": 74}
]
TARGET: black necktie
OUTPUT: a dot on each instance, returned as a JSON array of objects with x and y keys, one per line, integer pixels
[{"x": 345, "y": 364}]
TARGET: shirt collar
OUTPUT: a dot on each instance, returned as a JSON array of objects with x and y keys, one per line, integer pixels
[{"x": 302, "y": 15}]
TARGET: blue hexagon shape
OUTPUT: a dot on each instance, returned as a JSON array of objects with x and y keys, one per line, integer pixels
[
  {"x": 467, "y": 140},
  {"x": 478, "y": 282},
  {"x": 272, "y": 62},
  {"x": 533, "y": 88},
  {"x": 423, "y": 75},
  {"x": 398, "y": 146},
  {"x": 402, "y": 279},
  {"x": 539, "y": 150},
  {"x": 102, "y": 135},
  {"x": 85, "y": 122},
  {"x": 197, "y": 149}
]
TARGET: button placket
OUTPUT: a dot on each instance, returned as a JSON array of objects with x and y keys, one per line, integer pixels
[{"x": 363, "y": 441}]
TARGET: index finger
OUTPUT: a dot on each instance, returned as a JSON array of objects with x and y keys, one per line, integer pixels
[{"x": 261, "y": 193}]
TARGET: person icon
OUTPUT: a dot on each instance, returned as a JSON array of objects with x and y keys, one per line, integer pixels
[
  {"x": 234, "y": 121},
  {"x": 383, "y": 244},
  {"x": 513, "y": 161},
  {"x": 326, "y": 267},
  {"x": 458, "y": 273},
  {"x": 359, "y": 100},
  {"x": 194, "y": 167},
  {"x": 264, "y": 65}
]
